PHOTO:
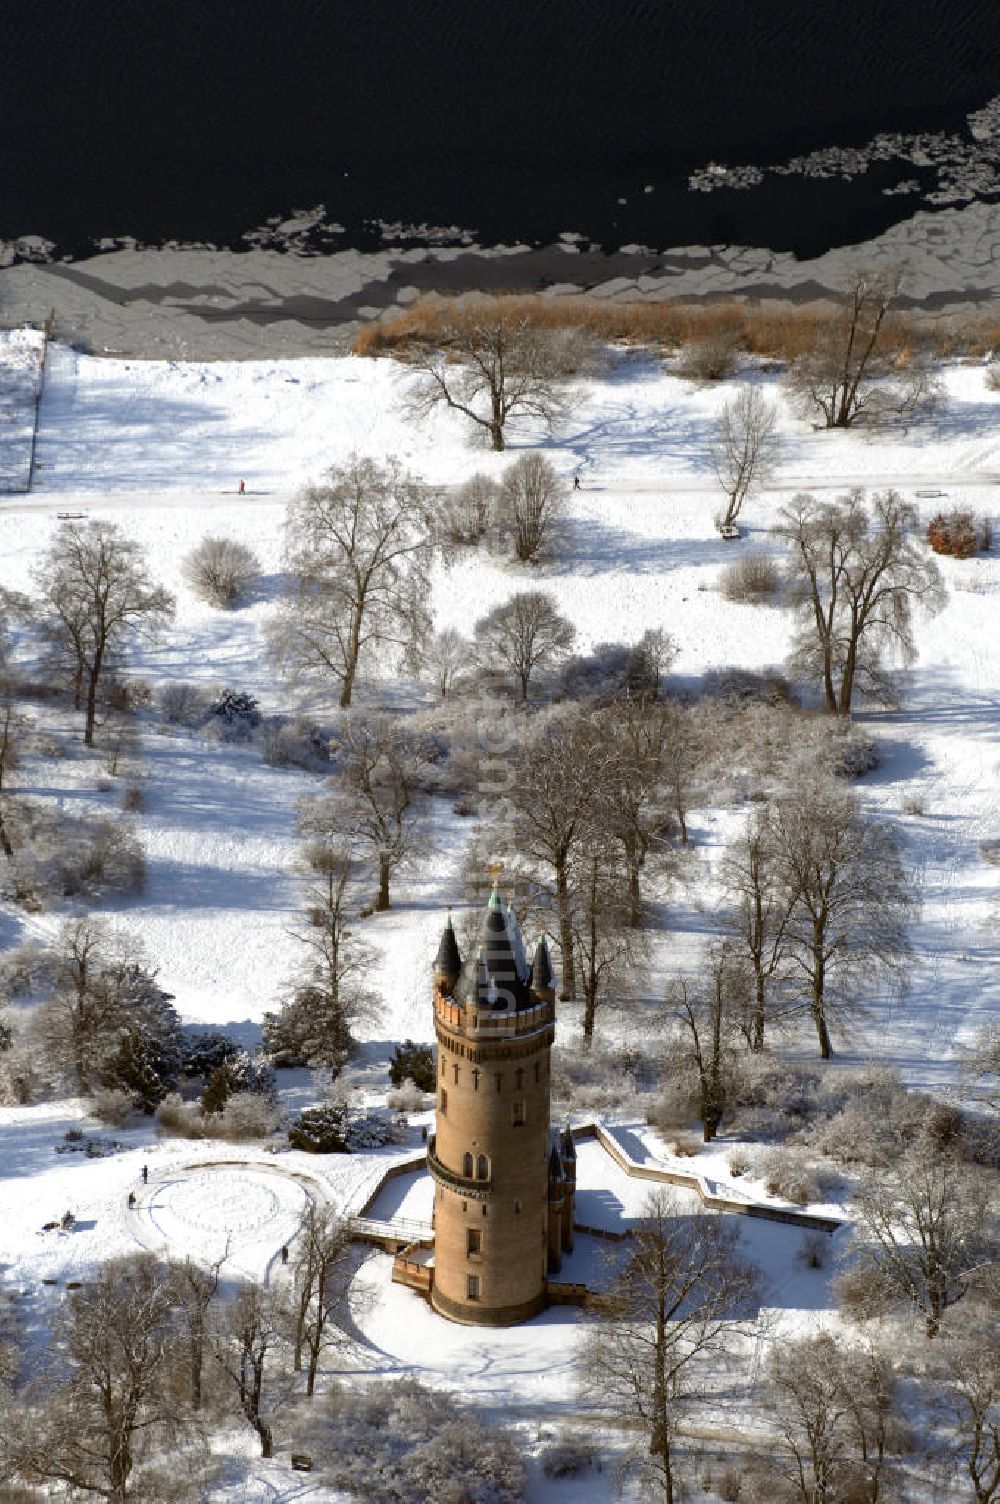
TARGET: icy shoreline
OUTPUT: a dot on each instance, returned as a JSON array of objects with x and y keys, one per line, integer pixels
[{"x": 207, "y": 304}]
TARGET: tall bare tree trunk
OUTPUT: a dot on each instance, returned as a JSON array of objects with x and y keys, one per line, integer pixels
[
  {"x": 759, "y": 1014},
  {"x": 818, "y": 991},
  {"x": 5, "y": 842},
  {"x": 496, "y": 421},
  {"x": 384, "y": 869},
  {"x": 351, "y": 659},
  {"x": 634, "y": 895},
  {"x": 847, "y": 679},
  {"x": 565, "y": 933},
  {"x": 95, "y": 674},
  {"x": 659, "y": 1441}
]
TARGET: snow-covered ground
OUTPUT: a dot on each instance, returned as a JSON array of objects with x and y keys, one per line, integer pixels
[{"x": 160, "y": 447}]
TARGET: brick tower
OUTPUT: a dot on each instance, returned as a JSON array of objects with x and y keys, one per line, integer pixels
[{"x": 495, "y": 1020}]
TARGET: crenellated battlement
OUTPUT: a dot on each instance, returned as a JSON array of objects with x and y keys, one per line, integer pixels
[{"x": 483, "y": 1023}]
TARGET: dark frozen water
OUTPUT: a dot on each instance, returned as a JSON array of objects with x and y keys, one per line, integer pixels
[{"x": 166, "y": 119}]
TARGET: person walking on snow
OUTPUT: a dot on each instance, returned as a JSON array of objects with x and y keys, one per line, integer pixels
[{"x": 243, "y": 488}]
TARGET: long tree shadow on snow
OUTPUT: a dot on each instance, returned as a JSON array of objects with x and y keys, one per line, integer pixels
[
  {"x": 673, "y": 439},
  {"x": 952, "y": 710},
  {"x": 148, "y": 441},
  {"x": 173, "y": 887},
  {"x": 590, "y": 547}
]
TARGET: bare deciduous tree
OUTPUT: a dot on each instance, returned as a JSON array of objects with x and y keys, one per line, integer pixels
[
  {"x": 492, "y": 365},
  {"x": 706, "y": 1008},
  {"x": 683, "y": 759},
  {"x": 847, "y": 896},
  {"x": 99, "y": 995},
  {"x": 743, "y": 447},
  {"x": 972, "y": 1390},
  {"x": 466, "y": 516},
  {"x": 77, "y": 1025},
  {"x": 554, "y": 793},
  {"x": 638, "y": 734},
  {"x": 96, "y": 594},
  {"x": 444, "y": 658},
  {"x": 835, "y": 1412},
  {"x": 984, "y": 1066},
  {"x": 928, "y": 1232},
  {"x": 761, "y": 905},
  {"x": 356, "y": 552},
  {"x": 245, "y": 1343},
  {"x": 222, "y": 571},
  {"x": 383, "y": 766},
  {"x": 11, "y": 727},
  {"x": 683, "y": 1286},
  {"x": 193, "y": 1288},
  {"x": 853, "y": 372},
  {"x": 532, "y": 498},
  {"x": 106, "y": 1399},
  {"x": 320, "y": 1273},
  {"x": 856, "y": 575},
  {"x": 523, "y": 634},
  {"x": 610, "y": 953},
  {"x": 315, "y": 1023}
]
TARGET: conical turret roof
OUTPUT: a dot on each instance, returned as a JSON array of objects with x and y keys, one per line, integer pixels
[
  {"x": 517, "y": 944},
  {"x": 542, "y": 974},
  {"x": 500, "y": 956},
  {"x": 448, "y": 961},
  {"x": 498, "y": 977}
]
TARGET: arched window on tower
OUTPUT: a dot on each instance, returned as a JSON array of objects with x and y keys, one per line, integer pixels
[
  {"x": 483, "y": 1167},
  {"x": 467, "y": 1169}
]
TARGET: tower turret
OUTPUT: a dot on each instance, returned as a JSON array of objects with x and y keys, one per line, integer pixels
[
  {"x": 543, "y": 977},
  {"x": 448, "y": 961},
  {"x": 489, "y": 1157}
]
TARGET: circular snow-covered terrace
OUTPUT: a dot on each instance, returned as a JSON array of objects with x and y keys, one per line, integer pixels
[{"x": 243, "y": 1212}]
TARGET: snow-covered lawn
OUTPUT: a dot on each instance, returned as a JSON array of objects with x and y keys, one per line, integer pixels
[{"x": 160, "y": 447}]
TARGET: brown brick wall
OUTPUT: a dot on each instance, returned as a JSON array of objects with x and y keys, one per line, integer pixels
[{"x": 510, "y": 1213}]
